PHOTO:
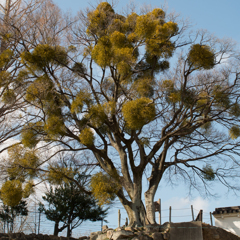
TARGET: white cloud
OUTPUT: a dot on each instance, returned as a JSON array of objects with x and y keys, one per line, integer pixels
[
  {"x": 178, "y": 203},
  {"x": 200, "y": 203},
  {"x": 183, "y": 203}
]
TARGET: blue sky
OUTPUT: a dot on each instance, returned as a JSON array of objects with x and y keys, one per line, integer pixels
[{"x": 222, "y": 18}]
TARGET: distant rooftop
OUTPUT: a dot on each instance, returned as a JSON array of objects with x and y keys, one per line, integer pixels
[{"x": 224, "y": 210}]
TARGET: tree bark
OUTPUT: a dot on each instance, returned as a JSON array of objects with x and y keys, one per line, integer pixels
[
  {"x": 154, "y": 180},
  {"x": 150, "y": 211},
  {"x": 56, "y": 231},
  {"x": 69, "y": 231},
  {"x": 136, "y": 213},
  {"x": 150, "y": 194},
  {"x": 135, "y": 207}
]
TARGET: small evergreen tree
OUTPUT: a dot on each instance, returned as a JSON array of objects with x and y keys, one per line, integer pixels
[{"x": 69, "y": 206}]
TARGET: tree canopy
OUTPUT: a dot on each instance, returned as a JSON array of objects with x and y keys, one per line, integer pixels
[{"x": 140, "y": 93}]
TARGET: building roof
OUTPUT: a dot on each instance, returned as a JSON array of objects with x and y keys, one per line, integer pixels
[{"x": 224, "y": 210}]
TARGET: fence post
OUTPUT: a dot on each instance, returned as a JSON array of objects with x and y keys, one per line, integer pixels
[
  {"x": 159, "y": 215},
  {"x": 119, "y": 218},
  {"x": 211, "y": 218},
  {"x": 35, "y": 218},
  {"x": 21, "y": 223},
  {"x": 192, "y": 212},
  {"x": 126, "y": 223},
  {"x": 39, "y": 219},
  {"x": 170, "y": 212}
]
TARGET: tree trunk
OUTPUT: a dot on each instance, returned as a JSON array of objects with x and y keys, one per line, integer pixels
[
  {"x": 135, "y": 207},
  {"x": 150, "y": 194},
  {"x": 69, "y": 231},
  {"x": 136, "y": 214},
  {"x": 56, "y": 229},
  {"x": 150, "y": 208},
  {"x": 154, "y": 180}
]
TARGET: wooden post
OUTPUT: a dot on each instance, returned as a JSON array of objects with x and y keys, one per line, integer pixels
[
  {"x": 201, "y": 215},
  {"x": 170, "y": 212},
  {"x": 119, "y": 218},
  {"x": 192, "y": 212},
  {"x": 157, "y": 208},
  {"x": 159, "y": 214},
  {"x": 35, "y": 218},
  {"x": 126, "y": 223},
  {"x": 39, "y": 220},
  {"x": 211, "y": 218}
]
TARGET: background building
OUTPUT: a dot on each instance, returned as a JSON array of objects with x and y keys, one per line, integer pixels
[{"x": 228, "y": 218}]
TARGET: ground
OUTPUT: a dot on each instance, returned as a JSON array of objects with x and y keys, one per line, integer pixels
[{"x": 209, "y": 232}]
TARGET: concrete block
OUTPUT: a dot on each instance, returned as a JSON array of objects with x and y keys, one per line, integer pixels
[{"x": 157, "y": 236}]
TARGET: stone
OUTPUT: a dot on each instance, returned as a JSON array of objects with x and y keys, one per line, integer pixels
[
  {"x": 166, "y": 236},
  {"x": 157, "y": 236},
  {"x": 109, "y": 234},
  {"x": 119, "y": 229},
  {"x": 104, "y": 228},
  {"x": 94, "y": 235},
  {"x": 83, "y": 237},
  {"x": 101, "y": 236},
  {"x": 129, "y": 229},
  {"x": 165, "y": 227},
  {"x": 122, "y": 234},
  {"x": 139, "y": 233},
  {"x": 141, "y": 229},
  {"x": 143, "y": 237},
  {"x": 151, "y": 228},
  {"x": 216, "y": 236}
]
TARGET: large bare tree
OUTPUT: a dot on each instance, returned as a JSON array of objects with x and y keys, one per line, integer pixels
[{"x": 111, "y": 88}]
